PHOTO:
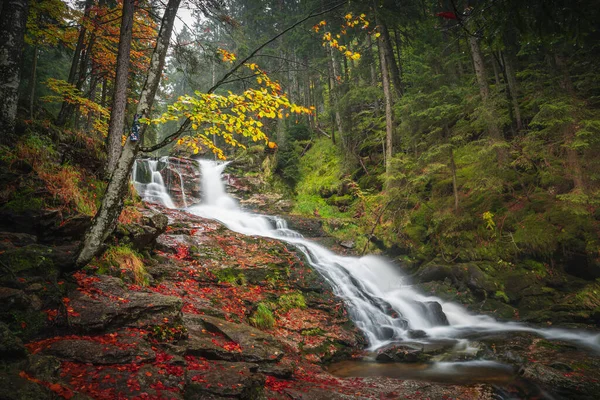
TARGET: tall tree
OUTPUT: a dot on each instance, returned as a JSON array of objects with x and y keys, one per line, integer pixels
[
  {"x": 12, "y": 31},
  {"x": 119, "y": 102},
  {"x": 484, "y": 91}
]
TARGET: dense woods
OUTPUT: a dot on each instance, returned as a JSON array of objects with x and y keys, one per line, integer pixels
[{"x": 447, "y": 135}]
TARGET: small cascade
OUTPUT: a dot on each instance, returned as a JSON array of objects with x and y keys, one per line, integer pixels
[
  {"x": 149, "y": 183},
  {"x": 169, "y": 181},
  {"x": 379, "y": 298}
]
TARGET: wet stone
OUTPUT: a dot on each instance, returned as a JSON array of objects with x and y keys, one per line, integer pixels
[
  {"x": 230, "y": 380},
  {"x": 88, "y": 351}
]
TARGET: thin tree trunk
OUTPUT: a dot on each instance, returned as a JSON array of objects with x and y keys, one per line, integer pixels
[
  {"x": 333, "y": 67},
  {"x": 496, "y": 72},
  {"x": 372, "y": 63},
  {"x": 454, "y": 181},
  {"x": 513, "y": 87},
  {"x": 386, "y": 45},
  {"x": 105, "y": 220},
  {"x": 32, "y": 81},
  {"x": 484, "y": 91},
  {"x": 398, "y": 41},
  {"x": 64, "y": 109},
  {"x": 92, "y": 97},
  {"x": 389, "y": 120},
  {"x": 12, "y": 31},
  {"x": 104, "y": 90},
  {"x": 119, "y": 100}
]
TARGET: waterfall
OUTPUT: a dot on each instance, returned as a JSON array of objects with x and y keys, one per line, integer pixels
[
  {"x": 149, "y": 183},
  {"x": 379, "y": 298}
]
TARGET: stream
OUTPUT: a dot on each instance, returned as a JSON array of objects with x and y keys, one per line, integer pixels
[{"x": 379, "y": 297}]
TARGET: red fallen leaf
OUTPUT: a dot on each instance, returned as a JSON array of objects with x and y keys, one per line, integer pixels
[
  {"x": 148, "y": 373},
  {"x": 447, "y": 15}
]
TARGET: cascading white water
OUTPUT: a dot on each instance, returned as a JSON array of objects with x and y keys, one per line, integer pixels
[
  {"x": 151, "y": 187},
  {"x": 379, "y": 299}
]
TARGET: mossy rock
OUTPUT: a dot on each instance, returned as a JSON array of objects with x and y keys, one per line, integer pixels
[
  {"x": 30, "y": 260},
  {"x": 495, "y": 308},
  {"x": 10, "y": 344}
]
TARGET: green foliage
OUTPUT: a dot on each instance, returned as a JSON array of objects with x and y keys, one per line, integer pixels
[{"x": 263, "y": 317}]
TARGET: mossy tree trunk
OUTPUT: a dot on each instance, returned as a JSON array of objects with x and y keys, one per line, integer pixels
[{"x": 12, "y": 31}]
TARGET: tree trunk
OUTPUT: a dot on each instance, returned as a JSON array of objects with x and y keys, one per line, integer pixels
[
  {"x": 12, "y": 31},
  {"x": 372, "y": 63},
  {"x": 32, "y": 81},
  {"x": 119, "y": 101},
  {"x": 112, "y": 203},
  {"x": 398, "y": 41},
  {"x": 389, "y": 120},
  {"x": 484, "y": 91},
  {"x": 333, "y": 94},
  {"x": 386, "y": 44},
  {"x": 454, "y": 182},
  {"x": 513, "y": 87},
  {"x": 64, "y": 109},
  {"x": 104, "y": 90}
]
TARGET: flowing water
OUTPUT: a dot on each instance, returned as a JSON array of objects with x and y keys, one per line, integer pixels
[
  {"x": 149, "y": 182},
  {"x": 379, "y": 298}
]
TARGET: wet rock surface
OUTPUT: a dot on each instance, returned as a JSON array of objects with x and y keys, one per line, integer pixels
[{"x": 194, "y": 331}]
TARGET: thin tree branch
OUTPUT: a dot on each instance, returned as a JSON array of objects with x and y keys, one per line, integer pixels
[{"x": 172, "y": 137}]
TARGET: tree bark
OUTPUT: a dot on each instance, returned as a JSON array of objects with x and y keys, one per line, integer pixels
[
  {"x": 513, "y": 87},
  {"x": 333, "y": 93},
  {"x": 484, "y": 91},
  {"x": 119, "y": 100},
  {"x": 32, "y": 81},
  {"x": 12, "y": 31},
  {"x": 386, "y": 44},
  {"x": 112, "y": 203},
  {"x": 389, "y": 119}
]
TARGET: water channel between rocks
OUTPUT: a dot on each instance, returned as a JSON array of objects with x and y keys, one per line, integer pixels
[{"x": 379, "y": 298}]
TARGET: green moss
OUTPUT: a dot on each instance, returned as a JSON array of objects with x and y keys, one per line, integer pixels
[
  {"x": 262, "y": 317},
  {"x": 34, "y": 259},
  {"x": 312, "y": 332},
  {"x": 500, "y": 295},
  {"x": 290, "y": 301},
  {"x": 24, "y": 200},
  {"x": 230, "y": 276}
]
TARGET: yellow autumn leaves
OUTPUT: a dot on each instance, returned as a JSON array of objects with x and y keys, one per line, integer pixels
[
  {"x": 232, "y": 115},
  {"x": 330, "y": 40}
]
